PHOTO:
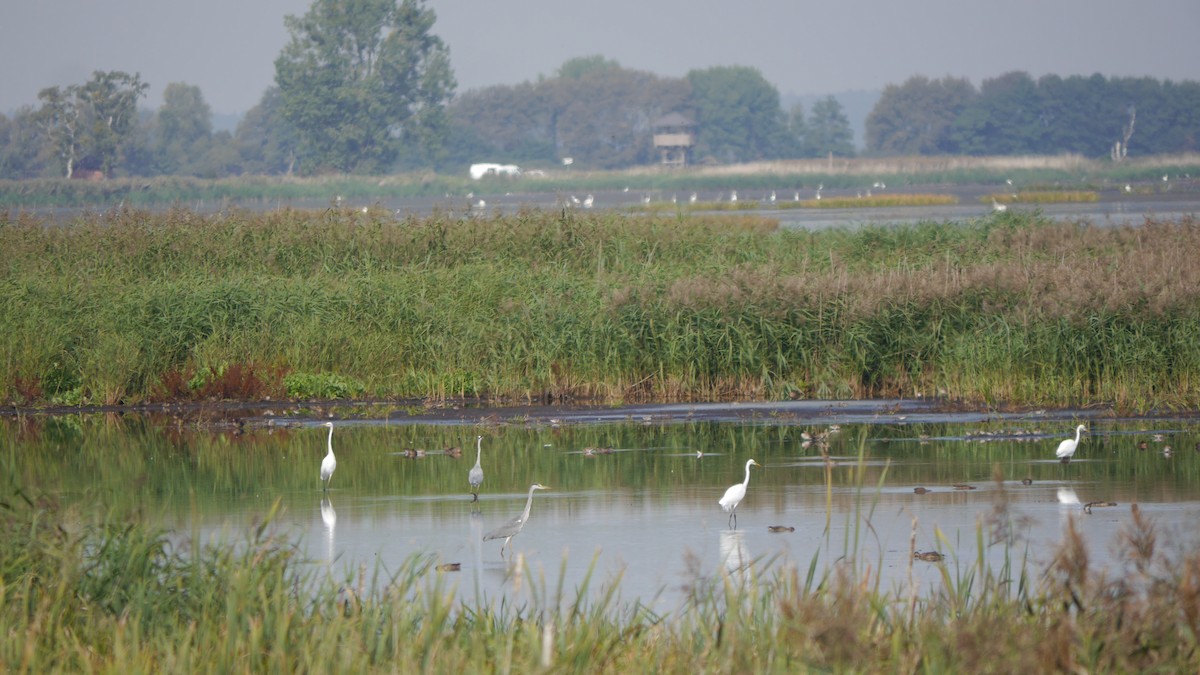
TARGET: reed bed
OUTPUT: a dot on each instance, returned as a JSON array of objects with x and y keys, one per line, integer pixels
[
  {"x": 107, "y": 593},
  {"x": 130, "y": 306},
  {"x": 873, "y": 201},
  {"x": 1041, "y": 197}
]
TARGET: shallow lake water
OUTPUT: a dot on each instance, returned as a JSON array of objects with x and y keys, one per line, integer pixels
[{"x": 641, "y": 506}]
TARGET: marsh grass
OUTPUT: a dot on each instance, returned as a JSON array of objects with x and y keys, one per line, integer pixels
[
  {"x": 1041, "y": 196},
  {"x": 131, "y": 306},
  {"x": 107, "y": 593},
  {"x": 873, "y": 201}
]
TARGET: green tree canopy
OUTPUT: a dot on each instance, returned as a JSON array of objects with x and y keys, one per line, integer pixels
[
  {"x": 183, "y": 126},
  {"x": 828, "y": 130},
  {"x": 88, "y": 123},
  {"x": 917, "y": 117},
  {"x": 266, "y": 142},
  {"x": 362, "y": 79},
  {"x": 738, "y": 115},
  {"x": 600, "y": 116},
  {"x": 576, "y": 68}
]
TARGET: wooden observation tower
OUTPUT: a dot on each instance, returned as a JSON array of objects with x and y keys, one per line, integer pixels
[{"x": 674, "y": 136}]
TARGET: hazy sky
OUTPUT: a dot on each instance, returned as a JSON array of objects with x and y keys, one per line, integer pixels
[{"x": 228, "y": 47}]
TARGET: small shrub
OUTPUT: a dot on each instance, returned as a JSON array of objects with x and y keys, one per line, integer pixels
[{"x": 322, "y": 386}]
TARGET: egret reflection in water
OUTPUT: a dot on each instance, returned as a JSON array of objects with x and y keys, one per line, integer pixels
[
  {"x": 329, "y": 517},
  {"x": 732, "y": 547}
]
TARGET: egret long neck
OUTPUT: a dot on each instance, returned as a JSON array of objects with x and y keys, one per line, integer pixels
[
  {"x": 747, "y": 481},
  {"x": 330, "y": 441},
  {"x": 478, "y": 449},
  {"x": 1077, "y": 432}
]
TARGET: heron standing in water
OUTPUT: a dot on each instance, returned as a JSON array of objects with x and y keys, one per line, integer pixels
[
  {"x": 513, "y": 527},
  {"x": 330, "y": 462},
  {"x": 1067, "y": 448},
  {"x": 475, "y": 476},
  {"x": 735, "y": 494}
]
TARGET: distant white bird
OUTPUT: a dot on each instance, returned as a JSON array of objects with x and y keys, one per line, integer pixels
[
  {"x": 575, "y": 200},
  {"x": 735, "y": 494},
  {"x": 796, "y": 197},
  {"x": 998, "y": 207},
  {"x": 475, "y": 475},
  {"x": 692, "y": 199},
  {"x": 772, "y": 197},
  {"x": 481, "y": 204},
  {"x": 733, "y": 195},
  {"x": 588, "y": 201},
  {"x": 1128, "y": 187},
  {"x": 329, "y": 464},
  {"x": 1067, "y": 448},
  {"x": 646, "y": 199}
]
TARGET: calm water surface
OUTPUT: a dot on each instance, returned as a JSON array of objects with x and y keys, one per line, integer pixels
[{"x": 647, "y": 511}]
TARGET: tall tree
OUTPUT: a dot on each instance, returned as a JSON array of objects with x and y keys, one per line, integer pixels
[
  {"x": 828, "y": 130},
  {"x": 917, "y": 116},
  {"x": 88, "y": 123},
  {"x": 265, "y": 141},
  {"x": 360, "y": 79},
  {"x": 59, "y": 117},
  {"x": 1004, "y": 119},
  {"x": 738, "y": 115},
  {"x": 184, "y": 128}
]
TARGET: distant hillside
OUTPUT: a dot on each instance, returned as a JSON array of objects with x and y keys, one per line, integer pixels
[{"x": 856, "y": 104}]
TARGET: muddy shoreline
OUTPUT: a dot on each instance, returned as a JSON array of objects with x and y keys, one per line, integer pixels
[{"x": 251, "y": 414}]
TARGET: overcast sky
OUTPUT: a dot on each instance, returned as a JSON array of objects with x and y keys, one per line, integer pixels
[{"x": 228, "y": 47}]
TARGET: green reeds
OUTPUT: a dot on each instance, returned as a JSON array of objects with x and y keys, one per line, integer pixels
[
  {"x": 873, "y": 201},
  {"x": 132, "y": 306},
  {"x": 1041, "y": 197},
  {"x": 103, "y": 593}
]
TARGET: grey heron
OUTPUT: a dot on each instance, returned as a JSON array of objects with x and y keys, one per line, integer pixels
[
  {"x": 735, "y": 493},
  {"x": 513, "y": 527},
  {"x": 475, "y": 476}
]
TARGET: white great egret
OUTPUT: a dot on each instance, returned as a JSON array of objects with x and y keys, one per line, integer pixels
[
  {"x": 330, "y": 462},
  {"x": 475, "y": 476},
  {"x": 735, "y": 493},
  {"x": 998, "y": 207},
  {"x": 513, "y": 527},
  {"x": 1067, "y": 447}
]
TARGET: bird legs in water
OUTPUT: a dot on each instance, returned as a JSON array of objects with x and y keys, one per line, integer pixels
[
  {"x": 732, "y": 520},
  {"x": 474, "y": 497}
]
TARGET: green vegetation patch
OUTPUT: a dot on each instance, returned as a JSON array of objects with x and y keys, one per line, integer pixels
[{"x": 133, "y": 306}]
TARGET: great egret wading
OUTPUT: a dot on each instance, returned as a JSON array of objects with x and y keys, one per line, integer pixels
[
  {"x": 330, "y": 462},
  {"x": 1067, "y": 447},
  {"x": 513, "y": 527},
  {"x": 735, "y": 493}
]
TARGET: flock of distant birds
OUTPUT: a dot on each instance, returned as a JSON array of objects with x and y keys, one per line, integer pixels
[{"x": 729, "y": 501}]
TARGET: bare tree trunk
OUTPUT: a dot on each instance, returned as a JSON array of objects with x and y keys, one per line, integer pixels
[{"x": 1121, "y": 148}]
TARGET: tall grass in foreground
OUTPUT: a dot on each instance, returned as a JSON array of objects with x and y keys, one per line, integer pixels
[
  {"x": 105, "y": 593},
  {"x": 131, "y": 306}
]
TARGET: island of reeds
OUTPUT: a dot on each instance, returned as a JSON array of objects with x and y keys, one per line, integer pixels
[{"x": 132, "y": 306}]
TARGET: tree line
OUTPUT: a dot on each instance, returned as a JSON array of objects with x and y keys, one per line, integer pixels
[
  {"x": 1015, "y": 114},
  {"x": 365, "y": 86}
]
